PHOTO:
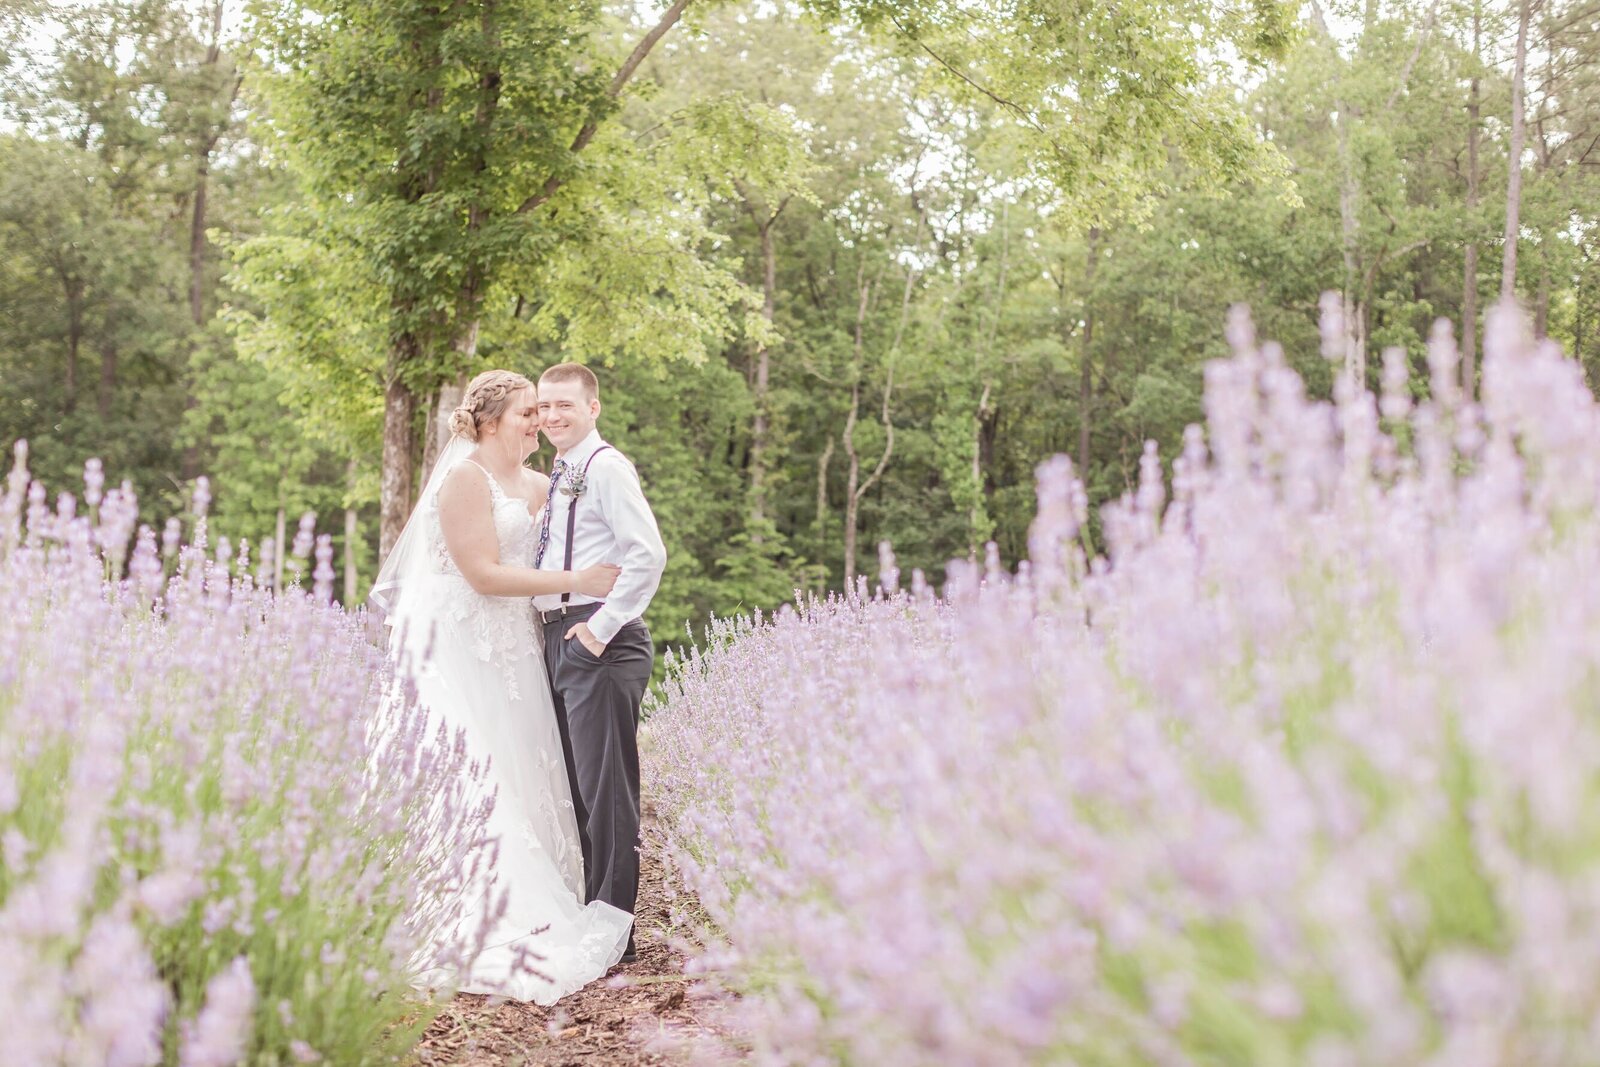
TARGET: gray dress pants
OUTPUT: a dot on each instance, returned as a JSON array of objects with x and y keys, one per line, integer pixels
[{"x": 597, "y": 710}]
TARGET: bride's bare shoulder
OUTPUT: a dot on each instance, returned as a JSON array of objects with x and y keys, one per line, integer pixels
[
  {"x": 466, "y": 482},
  {"x": 464, "y": 498}
]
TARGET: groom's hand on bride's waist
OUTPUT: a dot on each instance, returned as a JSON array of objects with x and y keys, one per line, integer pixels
[{"x": 582, "y": 633}]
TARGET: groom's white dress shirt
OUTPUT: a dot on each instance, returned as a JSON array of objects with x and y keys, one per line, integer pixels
[{"x": 615, "y": 525}]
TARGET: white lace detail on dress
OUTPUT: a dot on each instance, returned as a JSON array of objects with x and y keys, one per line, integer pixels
[{"x": 496, "y": 627}]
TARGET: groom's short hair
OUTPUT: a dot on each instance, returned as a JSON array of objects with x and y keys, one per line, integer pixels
[{"x": 574, "y": 372}]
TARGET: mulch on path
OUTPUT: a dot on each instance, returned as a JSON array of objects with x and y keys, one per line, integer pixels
[{"x": 618, "y": 1020}]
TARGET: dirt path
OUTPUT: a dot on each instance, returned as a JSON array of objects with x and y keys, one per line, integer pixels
[{"x": 621, "y": 1020}]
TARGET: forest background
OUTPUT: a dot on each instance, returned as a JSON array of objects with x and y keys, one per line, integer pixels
[{"x": 849, "y": 272}]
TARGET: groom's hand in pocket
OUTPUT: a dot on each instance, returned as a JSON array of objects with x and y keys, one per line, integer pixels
[{"x": 586, "y": 637}]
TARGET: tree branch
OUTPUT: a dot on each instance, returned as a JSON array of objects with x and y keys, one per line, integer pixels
[
  {"x": 888, "y": 437},
  {"x": 888, "y": 387},
  {"x": 1416, "y": 53},
  {"x": 619, "y": 81},
  {"x": 1005, "y": 103}
]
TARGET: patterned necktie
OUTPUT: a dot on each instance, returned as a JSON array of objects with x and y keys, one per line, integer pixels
[{"x": 556, "y": 474}]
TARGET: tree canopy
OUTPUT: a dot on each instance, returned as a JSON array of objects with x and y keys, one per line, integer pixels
[{"x": 849, "y": 271}]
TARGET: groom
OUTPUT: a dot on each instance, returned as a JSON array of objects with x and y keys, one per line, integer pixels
[{"x": 598, "y": 653}]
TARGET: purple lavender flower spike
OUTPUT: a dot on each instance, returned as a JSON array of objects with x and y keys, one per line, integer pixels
[
  {"x": 305, "y": 536},
  {"x": 219, "y": 1035},
  {"x": 324, "y": 575},
  {"x": 185, "y": 760},
  {"x": 94, "y": 481}
]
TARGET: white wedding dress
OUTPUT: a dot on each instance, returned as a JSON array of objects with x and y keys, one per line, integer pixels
[{"x": 482, "y": 672}]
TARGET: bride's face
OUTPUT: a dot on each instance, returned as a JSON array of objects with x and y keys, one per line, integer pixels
[{"x": 518, "y": 428}]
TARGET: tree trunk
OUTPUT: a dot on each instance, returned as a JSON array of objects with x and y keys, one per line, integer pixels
[
  {"x": 1578, "y": 298},
  {"x": 852, "y": 500},
  {"x": 982, "y": 456},
  {"x": 443, "y": 406},
  {"x": 979, "y": 526},
  {"x": 1355, "y": 312},
  {"x": 1356, "y": 342},
  {"x": 853, "y": 469},
  {"x": 281, "y": 552},
  {"x": 190, "y": 459},
  {"x": 988, "y": 437},
  {"x": 1543, "y": 157},
  {"x": 197, "y": 241},
  {"x": 197, "y": 221},
  {"x": 763, "y": 376},
  {"x": 856, "y": 487},
  {"x": 450, "y": 394},
  {"x": 74, "y": 289},
  {"x": 1085, "y": 355},
  {"x": 1577, "y": 329},
  {"x": 351, "y": 531},
  {"x": 1519, "y": 133},
  {"x": 1352, "y": 306},
  {"x": 350, "y": 578},
  {"x": 1541, "y": 306},
  {"x": 399, "y": 443},
  {"x": 1469, "y": 281},
  {"x": 822, "y": 497},
  {"x": 106, "y": 395},
  {"x": 1469, "y": 322}
]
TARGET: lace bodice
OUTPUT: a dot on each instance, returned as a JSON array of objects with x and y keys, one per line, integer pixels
[
  {"x": 512, "y": 525},
  {"x": 499, "y": 629}
]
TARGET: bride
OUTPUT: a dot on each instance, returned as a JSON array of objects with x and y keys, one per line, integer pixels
[{"x": 456, "y": 588}]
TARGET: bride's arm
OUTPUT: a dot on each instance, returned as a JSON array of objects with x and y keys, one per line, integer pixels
[{"x": 466, "y": 515}]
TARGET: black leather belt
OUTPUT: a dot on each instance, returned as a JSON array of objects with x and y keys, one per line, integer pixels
[{"x": 567, "y": 611}]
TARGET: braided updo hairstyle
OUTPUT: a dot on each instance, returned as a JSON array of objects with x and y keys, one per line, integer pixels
[{"x": 486, "y": 399}]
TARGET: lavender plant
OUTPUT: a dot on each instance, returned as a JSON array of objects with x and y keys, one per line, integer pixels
[
  {"x": 225, "y": 830},
  {"x": 1302, "y": 771}
]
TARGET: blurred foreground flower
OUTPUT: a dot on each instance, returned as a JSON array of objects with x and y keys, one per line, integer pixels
[
  {"x": 201, "y": 787},
  {"x": 1305, "y": 770}
]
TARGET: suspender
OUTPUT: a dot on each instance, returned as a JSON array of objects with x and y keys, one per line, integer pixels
[{"x": 572, "y": 518}]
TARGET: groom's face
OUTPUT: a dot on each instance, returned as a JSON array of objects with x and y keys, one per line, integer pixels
[{"x": 567, "y": 411}]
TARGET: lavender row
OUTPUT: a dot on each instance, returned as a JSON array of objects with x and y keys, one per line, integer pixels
[
  {"x": 1303, "y": 770},
  {"x": 226, "y": 831}
]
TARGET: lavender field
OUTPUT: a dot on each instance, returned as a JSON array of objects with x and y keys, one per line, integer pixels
[
  {"x": 1302, "y": 772},
  {"x": 1079, "y": 669},
  {"x": 214, "y": 849}
]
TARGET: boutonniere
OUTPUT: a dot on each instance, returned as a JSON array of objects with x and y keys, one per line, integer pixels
[{"x": 575, "y": 485}]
